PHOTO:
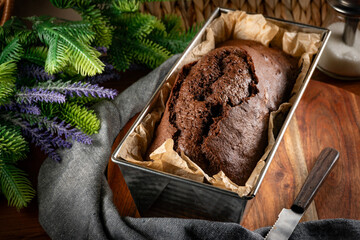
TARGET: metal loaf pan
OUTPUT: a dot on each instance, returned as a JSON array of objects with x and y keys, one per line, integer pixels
[{"x": 159, "y": 194}]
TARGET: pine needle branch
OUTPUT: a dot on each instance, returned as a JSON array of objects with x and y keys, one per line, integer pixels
[
  {"x": 64, "y": 49},
  {"x": 15, "y": 186},
  {"x": 150, "y": 53},
  {"x": 174, "y": 38},
  {"x": 12, "y": 51},
  {"x": 63, "y": 3},
  {"x": 128, "y": 6},
  {"x": 99, "y": 24},
  {"x": 49, "y": 110},
  {"x": 137, "y": 25},
  {"x": 56, "y": 58},
  {"x": 79, "y": 116},
  {"x": 81, "y": 30},
  {"x": 11, "y": 30},
  {"x": 7, "y": 81},
  {"x": 6, "y": 91},
  {"x": 36, "y": 55},
  {"x": 7, "y": 72},
  {"x": 121, "y": 55},
  {"x": 13, "y": 146}
]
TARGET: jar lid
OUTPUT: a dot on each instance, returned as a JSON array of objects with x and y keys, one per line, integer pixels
[{"x": 347, "y": 7}]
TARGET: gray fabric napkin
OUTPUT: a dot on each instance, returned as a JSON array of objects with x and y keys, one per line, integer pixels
[{"x": 75, "y": 201}]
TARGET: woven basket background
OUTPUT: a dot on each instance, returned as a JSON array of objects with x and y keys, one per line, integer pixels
[{"x": 311, "y": 12}]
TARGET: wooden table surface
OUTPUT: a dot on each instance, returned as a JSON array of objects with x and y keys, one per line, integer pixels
[{"x": 328, "y": 115}]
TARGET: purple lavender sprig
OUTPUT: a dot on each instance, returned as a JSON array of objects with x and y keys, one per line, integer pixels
[
  {"x": 109, "y": 73},
  {"x": 30, "y": 109},
  {"x": 79, "y": 88},
  {"x": 102, "y": 50},
  {"x": 59, "y": 128},
  {"x": 31, "y": 70},
  {"x": 29, "y": 96},
  {"x": 11, "y": 106},
  {"x": 42, "y": 140},
  {"x": 38, "y": 137},
  {"x": 58, "y": 142},
  {"x": 66, "y": 129},
  {"x": 15, "y": 107}
]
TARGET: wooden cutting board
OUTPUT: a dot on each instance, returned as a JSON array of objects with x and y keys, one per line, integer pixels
[{"x": 327, "y": 116}]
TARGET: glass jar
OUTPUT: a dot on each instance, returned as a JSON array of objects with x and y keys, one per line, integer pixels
[{"x": 341, "y": 56}]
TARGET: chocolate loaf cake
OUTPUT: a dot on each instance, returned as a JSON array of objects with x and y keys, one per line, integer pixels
[{"x": 219, "y": 107}]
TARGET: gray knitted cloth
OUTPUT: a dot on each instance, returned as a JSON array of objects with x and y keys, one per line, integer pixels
[{"x": 75, "y": 201}]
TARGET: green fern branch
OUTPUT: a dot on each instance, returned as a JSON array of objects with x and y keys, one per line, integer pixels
[
  {"x": 143, "y": 51},
  {"x": 120, "y": 54},
  {"x": 137, "y": 25},
  {"x": 150, "y": 53},
  {"x": 7, "y": 81},
  {"x": 27, "y": 38},
  {"x": 172, "y": 24},
  {"x": 99, "y": 24},
  {"x": 12, "y": 51},
  {"x": 13, "y": 146},
  {"x": 6, "y": 91},
  {"x": 49, "y": 110},
  {"x": 64, "y": 49},
  {"x": 136, "y": 37},
  {"x": 79, "y": 30},
  {"x": 15, "y": 186},
  {"x": 175, "y": 39},
  {"x": 126, "y": 6},
  {"x": 36, "y": 55},
  {"x": 7, "y": 72},
  {"x": 63, "y": 3},
  {"x": 143, "y": 24},
  {"x": 11, "y": 29},
  {"x": 175, "y": 42},
  {"x": 80, "y": 117},
  {"x": 57, "y": 58}
]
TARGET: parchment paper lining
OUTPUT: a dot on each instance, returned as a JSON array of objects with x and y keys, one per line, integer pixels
[{"x": 233, "y": 25}]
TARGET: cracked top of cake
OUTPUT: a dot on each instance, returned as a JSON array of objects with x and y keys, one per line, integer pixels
[{"x": 218, "y": 110}]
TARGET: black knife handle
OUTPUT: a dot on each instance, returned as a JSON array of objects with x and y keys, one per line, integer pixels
[{"x": 321, "y": 169}]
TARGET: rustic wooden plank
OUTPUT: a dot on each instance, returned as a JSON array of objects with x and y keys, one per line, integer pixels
[
  {"x": 330, "y": 117},
  {"x": 292, "y": 142},
  {"x": 281, "y": 184},
  {"x": 327, "y": 116}
]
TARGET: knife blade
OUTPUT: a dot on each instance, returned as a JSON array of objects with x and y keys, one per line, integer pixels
[{"x": 289, "y": 218}]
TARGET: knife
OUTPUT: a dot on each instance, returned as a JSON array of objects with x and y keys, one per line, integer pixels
[{"x": 289, "y": 218}]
